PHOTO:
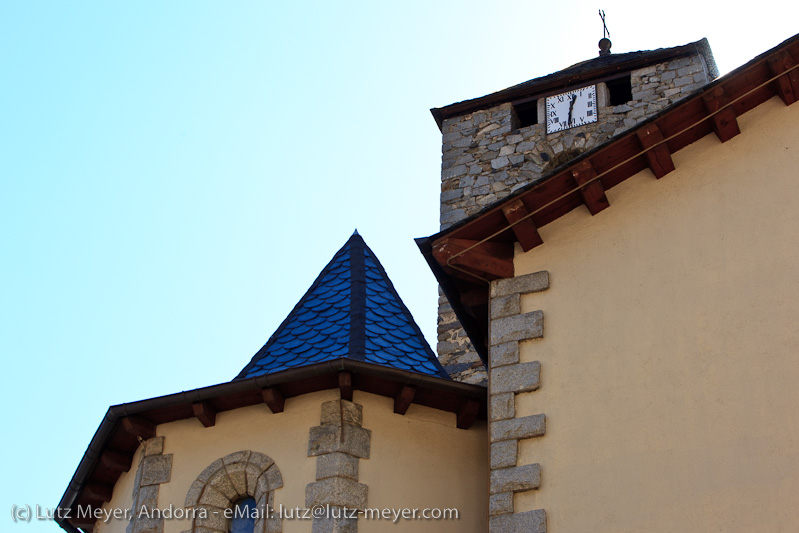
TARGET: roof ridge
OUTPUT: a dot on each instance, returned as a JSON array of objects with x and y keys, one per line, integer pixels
[{"x": 352, "y": 310}]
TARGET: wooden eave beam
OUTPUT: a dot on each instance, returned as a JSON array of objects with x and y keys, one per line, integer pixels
[
  {"x": 522, "y": 225},
  {"x": 725, "y": 123},
  {"x": 493, "y": 259},
  {"x": 204, "y": 413},
  {"x": 345, "y": 385},
  {"x": 466, "y": 274},
  {"x": 85, "y": 523},
  {"x": 115, "y": 460},
  {"x": 593, "y": 192},
  {"x": 475, "y": 297},
  {"x": 467, "y": 414},
  {"x": 787, "y": 85},
  {"x": 658, "y": 156},
  {"x": 138, "y": 427},
  {"x": 404, "y": 399},
  {"x": 273, "y": 399},
  {"x": 96, "y": 491}
]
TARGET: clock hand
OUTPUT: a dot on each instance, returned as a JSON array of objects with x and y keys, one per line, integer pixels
[{"x": 571, "y": 108}]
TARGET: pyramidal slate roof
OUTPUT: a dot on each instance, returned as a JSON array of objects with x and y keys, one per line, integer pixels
[{"x": 351, "y": 311}]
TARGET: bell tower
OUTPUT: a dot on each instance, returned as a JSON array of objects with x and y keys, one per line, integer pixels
[{"x": 497, "y": 144}]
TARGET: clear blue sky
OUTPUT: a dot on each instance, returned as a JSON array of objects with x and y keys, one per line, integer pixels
[{"x": 174, "y": 175}]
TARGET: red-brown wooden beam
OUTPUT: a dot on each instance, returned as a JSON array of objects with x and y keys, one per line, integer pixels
[
  {"x": 593, "y": 192},
  {"x": 658, "y": 156},
  {"x": 85, "y": 523},
  {"x": 114, "y": 460},
  {"x": 467, "y": 414},
  {"x": 138, "y": 427},
  {"x": 523, "y": 228},
  {"x": 404, "y": 399},
  {"x": 95, "y": 491},
  {"x": 345, "y": 385},
  {"x": 204, "y": 413},
  {"x": 273, "y": 399},
  {"x": 787, "y": 85},
  {"x": 725, "y": 124},
  {"x": 493, "y": 259},
  {"x": 475, "y": 297}
]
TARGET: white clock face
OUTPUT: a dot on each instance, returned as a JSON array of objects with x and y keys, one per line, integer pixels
[{"x": 570, "y": 109}]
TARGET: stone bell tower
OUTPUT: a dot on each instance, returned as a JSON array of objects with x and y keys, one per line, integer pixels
[{"x": 502, "y": 142}]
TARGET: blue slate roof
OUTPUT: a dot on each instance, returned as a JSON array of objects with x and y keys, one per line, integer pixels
[{"x": 352, "y": 310}]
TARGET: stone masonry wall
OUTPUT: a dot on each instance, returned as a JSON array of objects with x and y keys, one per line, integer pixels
[
  {"x": 510, "y": 377},
  {"x": 338, "y": 444},
  {"x": 455, "y": 352},
  {"x": 487, "y": 157},
  {"x": 155, "y": 468}
]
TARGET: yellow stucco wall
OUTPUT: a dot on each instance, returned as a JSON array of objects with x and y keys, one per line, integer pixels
[
  {"x": 670, "y": 357},
  {"x": 282, "y": 436},
  {"x": 419, "y": 460}
]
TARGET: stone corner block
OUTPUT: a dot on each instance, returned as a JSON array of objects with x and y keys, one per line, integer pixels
[
  {"x": 517, "y": 328},
  {"x": 501, "y": 503},
  {"x": 352, "y": 440},
  {"x": 156, "y": 469},
  {"x": 504, "y": 354},
  {"x": 527, "y": 283},
  {"x": 147, "y": 525},
  {"x": 338, "y": 523},
  {"x": 336, "y": 464},
  {"x": 147, "y": 497},
  {"x": 518, "y": 428},
  {"x": 504, "y": 454},
  {"x": 154, "y": 446},
  {"x": 515, "y": 479},
  {"x": 338, "y": 492},
  {"x": 338, "y": 412},
  {"x": 529, "y": 522},
  {"x": 524, "y": 377},
  {"x": 502, "y": 406},
  {"x": 502, "y": 306}
]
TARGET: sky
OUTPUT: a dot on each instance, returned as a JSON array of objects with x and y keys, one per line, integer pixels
[{"x": 174, "y": 175}]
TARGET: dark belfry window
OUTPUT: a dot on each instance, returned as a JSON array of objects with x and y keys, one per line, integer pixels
[
  {"x": 526, "y": 113},
  {"x": 244, "y": 516},
  {"x": 621, "y": 90}
]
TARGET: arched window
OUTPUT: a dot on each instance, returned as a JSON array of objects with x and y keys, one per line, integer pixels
[
  {"x": 244, "y": 514},
  {"x": 244, "y": 482}
]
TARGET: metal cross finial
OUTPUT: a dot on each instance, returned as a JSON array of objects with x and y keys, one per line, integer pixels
[{"x": 605, "y": 32}]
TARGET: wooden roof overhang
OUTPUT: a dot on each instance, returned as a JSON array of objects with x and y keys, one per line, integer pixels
[
  {"x": 116, "y": 440},
  {"x": 594, "y": 70},
  {"x": 466, "y": 257}
]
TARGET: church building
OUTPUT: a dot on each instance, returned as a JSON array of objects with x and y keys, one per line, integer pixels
[{"x": 617, "y": 261}]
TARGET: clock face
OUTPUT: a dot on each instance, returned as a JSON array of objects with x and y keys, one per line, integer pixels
[{"x": 570, "y": 109}]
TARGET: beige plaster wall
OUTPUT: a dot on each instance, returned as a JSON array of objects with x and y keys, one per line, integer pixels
[
  {"x": 420, "y": 460},
  {"x": 670, "y": 358},
  {"x": 282, "y": 436}
]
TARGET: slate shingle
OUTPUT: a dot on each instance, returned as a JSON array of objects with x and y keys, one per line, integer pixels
[{"x": 351, "y": 310}]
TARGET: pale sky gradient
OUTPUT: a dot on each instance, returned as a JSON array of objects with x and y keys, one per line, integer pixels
[{"x": 174, "y": 175}]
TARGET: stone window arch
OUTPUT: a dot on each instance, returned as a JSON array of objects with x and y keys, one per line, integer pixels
[{"x": 227, "y": 481}]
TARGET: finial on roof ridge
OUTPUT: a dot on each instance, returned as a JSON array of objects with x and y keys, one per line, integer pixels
[
  {"x": 604, "y": 42},
  {"x": 604, "y": 46}
]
